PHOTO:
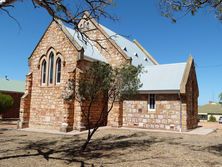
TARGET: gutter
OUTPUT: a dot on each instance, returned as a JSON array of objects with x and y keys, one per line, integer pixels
[{"x": 158, "y": 91}]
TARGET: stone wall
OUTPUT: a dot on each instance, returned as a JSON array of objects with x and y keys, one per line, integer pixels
[
  {"x": 25, "y": 103},
  {"x": 98, "y": 108},
  {"x": 43, "y": 107},
  {"x": 115, "y": 117},
  {"x": 192, "y": 100},
  {"x": 47, "y": 108},
  {"x": 165, "y": 116},
  {"x": 114, "y": 56},
  {"x": 107, "y": 47}
]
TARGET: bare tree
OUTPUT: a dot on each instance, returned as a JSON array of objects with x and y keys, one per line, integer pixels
[
  {"x": 68, "y": 11},
  {"x": 173, "y": 8}
]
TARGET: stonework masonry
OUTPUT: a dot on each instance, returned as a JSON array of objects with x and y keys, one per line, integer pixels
[
  {"x": 46, "y": 107},
  {"x": 43, "y": 107},
  {"x": 173, "y": 111},
  {"x": 165, "y": 116},
  {"x": 192, "y": 100}
]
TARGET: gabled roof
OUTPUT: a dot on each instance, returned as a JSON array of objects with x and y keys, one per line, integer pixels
[
  {"x": 161, "y": 78},
  {"x": 166, "y": 77},
  {"x": 12, "y": 86},
  {"x": 130, "y": 48},
  {"x": 212, "y": 108},
  {"x": 90, "y": 51}
]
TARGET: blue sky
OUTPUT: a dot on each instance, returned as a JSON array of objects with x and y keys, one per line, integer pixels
[{"x": 167, "y": 42}]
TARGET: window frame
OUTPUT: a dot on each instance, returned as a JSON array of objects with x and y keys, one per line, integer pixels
[
  {"x": 56, "y": 70},
  {"x": 51, "y": 57},
  {"x": 149, "y": 97},
  {"x": 51, "y": 68},
  {"x": 42, "y": 74}
]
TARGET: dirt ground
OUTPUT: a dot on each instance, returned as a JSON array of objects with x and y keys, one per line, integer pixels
[
  {"x": 110, "y": 148},
  {"x": 214, "y": 125}
]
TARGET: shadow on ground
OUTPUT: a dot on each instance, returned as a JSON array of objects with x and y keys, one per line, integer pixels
[
  {"x": 216, "y": 149},
  {"x": 68, "y": 149}
]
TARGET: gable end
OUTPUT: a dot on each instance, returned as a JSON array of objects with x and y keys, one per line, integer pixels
[
  {"x": 64, "y": 30},
  {"x": 188, "y": 69},
  {"x": 94, "y": 22}
]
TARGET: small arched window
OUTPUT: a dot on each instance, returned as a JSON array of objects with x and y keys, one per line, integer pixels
[
  {"x": 51, "y": 67},
  {"x": 58, "y": 70},
  {"x": 43, "y": 76}
]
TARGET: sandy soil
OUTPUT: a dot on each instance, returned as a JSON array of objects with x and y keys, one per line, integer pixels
[{"x": 110, "y": 148}]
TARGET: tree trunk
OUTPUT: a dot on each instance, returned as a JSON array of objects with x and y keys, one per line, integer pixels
[
  {"x": 83, "y": 148},
  {"x": 90, "y": 134}
]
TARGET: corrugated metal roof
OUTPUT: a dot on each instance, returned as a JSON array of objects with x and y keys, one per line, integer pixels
[
  {"x": 130, "y": 48},
  {"x": 90, "y": 50},
  {"x": 166, "y": 77},
  {"x": 12, "y": 85},
  {"x": 215, "y": 108}
]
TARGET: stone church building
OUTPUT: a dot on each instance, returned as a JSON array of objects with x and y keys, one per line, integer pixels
[{"x": 167, "y": 100}]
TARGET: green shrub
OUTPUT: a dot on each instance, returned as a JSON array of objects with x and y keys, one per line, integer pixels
[
  {"x": 212, "y": 119},
  {"x": 6, "y": 101}
]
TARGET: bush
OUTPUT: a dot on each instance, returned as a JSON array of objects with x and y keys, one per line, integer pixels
[
  {"x": 212, "y": 119},
  {"x": 6, "y": 101}
]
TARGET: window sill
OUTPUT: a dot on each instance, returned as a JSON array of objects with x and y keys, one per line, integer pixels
[
  {"x": 47, "y": 86},
  {"x": 151, "y": 110},
  {"x": 51, "y": 85},
  {"x": 43, "y": 85}
]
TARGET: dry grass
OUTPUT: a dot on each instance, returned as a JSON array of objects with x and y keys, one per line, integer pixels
[{"x": 110, "y": 148}]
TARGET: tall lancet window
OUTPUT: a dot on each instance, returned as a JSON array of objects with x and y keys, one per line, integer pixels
[
  {"x": 51, "y": 67},
  {"x": 58, "y": 70},
  {"x": 43, "y": 77}
]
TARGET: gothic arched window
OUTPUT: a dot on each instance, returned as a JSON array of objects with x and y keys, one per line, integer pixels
[
  {"x": 43, "y": 72},
  {"x": 58, "y": 70},
  {"x": 51, "y": 67}
]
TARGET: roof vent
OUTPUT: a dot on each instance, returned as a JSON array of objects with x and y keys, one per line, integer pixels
[
  {"x": 135, "y": 54},
  {"x": 125, "y": 49}
]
